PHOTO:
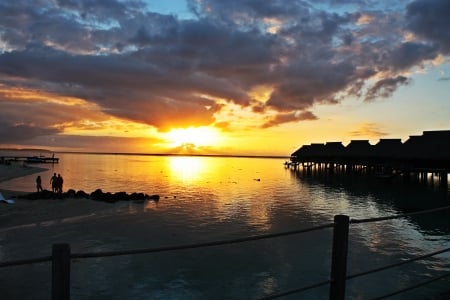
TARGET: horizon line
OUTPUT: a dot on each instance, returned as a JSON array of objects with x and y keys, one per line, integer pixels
[{"x": 147, "y": 154}]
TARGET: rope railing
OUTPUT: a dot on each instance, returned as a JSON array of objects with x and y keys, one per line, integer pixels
[
  {"x": 338, "y": 271},
  {"x": 200, "y": 245},
  {"x": 25, "y": 261},
  {"x": 316, "y": 285},
  {"x": 171, "y": 248},
  {"x": 295, "y": 291},
  {"x": 421, "y": 257},
  {"x": 423, "y": 283},
  {"x": 359, "y": 221}
]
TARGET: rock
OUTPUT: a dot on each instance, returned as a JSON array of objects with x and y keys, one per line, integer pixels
[
  {"x": 97, "y": 195},
  {"x": 45, "y": 194},
  {"x": 81, "y": 194},
  {"x": 70, "y": 193}
]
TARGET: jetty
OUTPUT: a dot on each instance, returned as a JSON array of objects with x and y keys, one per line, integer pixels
[
  {"x": 30, "y": 159},
  {"x": 417, "y": 156}
]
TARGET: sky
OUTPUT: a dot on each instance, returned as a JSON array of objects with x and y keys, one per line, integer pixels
[{"x": 235, "y": 77}]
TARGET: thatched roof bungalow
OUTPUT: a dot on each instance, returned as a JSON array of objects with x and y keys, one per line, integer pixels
[
  {"x": 430, "y": 151},
  {"x": 388, "y": 149}
]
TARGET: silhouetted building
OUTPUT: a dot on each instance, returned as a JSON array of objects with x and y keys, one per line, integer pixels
[{"x": 429, "y": 152}]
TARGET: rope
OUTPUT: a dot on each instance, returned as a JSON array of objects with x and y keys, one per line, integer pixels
[
  {"x": 198, "y": 245},
  {"x": 25, "y": 261},
  {"x": 299, "y": 290},
  {"x": 397, "y": 264},
  {"x": 413, "y": 286},
  {"x": 356, "y": 221},
  {"x": 260, "y": 237}
]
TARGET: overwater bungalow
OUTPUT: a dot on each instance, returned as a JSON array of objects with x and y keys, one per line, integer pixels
[{"x": 427, "y": 153}]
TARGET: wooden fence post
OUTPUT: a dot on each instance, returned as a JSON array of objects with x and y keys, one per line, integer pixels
[
  {"x": 61, "y": 272},
  {"x": 339, "y": 257}
]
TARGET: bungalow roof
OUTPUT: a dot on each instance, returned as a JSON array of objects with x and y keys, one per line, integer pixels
[
  {"x": 334, "y": 149},
  {"x": 433, "y": 145},
  {"x": 359, "y": 148},
  {"x": 388, "y": 148}
]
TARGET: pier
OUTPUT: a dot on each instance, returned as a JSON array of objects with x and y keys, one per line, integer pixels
[{"x": 417, "y": 157}]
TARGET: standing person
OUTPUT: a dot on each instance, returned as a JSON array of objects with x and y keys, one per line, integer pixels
[
  {"x": 39, "y": 184},
  {"x": 54, "y": 183},
  {"x": 60, "y": 182}
]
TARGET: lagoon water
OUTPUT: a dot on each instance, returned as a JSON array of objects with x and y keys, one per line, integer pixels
[{"x": 217, "y": 198}]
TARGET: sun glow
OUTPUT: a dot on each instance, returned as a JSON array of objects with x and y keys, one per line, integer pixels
[
  {"x": 194, "y": 136},
  {"x": 186, "y": 168}
]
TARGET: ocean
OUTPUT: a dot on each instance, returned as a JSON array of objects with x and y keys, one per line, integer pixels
[{"x": 204, "y": 199}]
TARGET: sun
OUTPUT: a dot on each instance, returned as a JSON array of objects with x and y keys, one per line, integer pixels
[{"x": 193, "y": 136}]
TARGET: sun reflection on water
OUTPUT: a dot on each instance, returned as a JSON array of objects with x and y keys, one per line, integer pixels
[{"x": 187, "y": 168}]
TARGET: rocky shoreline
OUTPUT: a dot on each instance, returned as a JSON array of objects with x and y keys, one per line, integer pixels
[{"x": 97, "y": 195}]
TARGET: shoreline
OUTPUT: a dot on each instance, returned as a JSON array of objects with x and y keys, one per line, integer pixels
[
  {"x": 16, "y": 170},
  {"x": 27, "y": 211}
]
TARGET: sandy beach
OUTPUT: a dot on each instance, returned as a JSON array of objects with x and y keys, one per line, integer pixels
[
  {"x": 24, "y": 212},
  {"x": 17, "y": 169}
]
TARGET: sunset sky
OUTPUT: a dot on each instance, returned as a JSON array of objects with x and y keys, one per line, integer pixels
[{"x": 240, "y": 77}]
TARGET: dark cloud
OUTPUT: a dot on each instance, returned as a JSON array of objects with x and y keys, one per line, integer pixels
[
  {"x": 81, "y": 143},
  {"x": 385, "y": 87},
  {"x": 249, "y": 12},
  {"x": 289, "y": 117},
  {"x": 20, "y": 133},
  {"x": 411, "y": 54},
  {"x": 298, "y": 91},
  {"x": 430, "y": 19},
  {"x": 159, "y": 70}
]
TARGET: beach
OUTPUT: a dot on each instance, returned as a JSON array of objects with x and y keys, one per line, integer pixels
[
  {"x": 17, "y": 169},
  {"x": 24, "y": 212}
]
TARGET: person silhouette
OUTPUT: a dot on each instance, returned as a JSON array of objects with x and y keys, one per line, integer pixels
[
  {"x": 60, "y": 182},
  {"x": 39, "y": 184},
  {"x": 54, "y": 183}
]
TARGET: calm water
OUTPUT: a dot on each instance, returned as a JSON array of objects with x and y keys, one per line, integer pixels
[{"x": 207, "y": 198}]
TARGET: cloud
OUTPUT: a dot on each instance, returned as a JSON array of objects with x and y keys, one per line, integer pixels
[
  {"x": 430, "y": 19},
  {"x": 385, "y": 87},
  {"x": 10, "y": 134},
  {"x": 154, "y": 69},
  {"x": 81, "y": 143},
  {"x": 289, "y": 117},
  {"x": 368, "y": 130},
  {"x": 411, "y": 54}
]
